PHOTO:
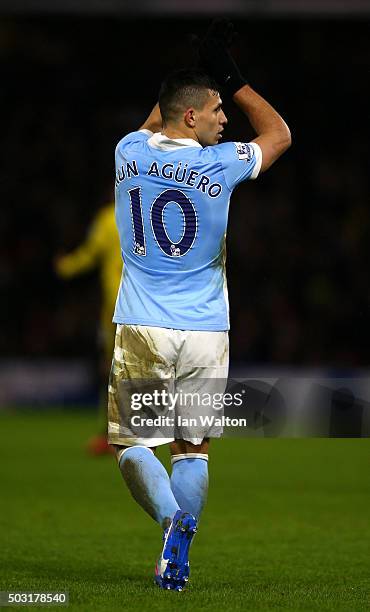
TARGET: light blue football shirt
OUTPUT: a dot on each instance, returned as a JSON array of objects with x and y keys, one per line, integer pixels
[{"x": 172, "y": 203}]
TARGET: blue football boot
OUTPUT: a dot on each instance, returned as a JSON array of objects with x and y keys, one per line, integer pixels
[{"x": 172, "y": 568}]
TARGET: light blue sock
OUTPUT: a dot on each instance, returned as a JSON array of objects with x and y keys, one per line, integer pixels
[
  {"x": 148, "y": 483},
  {"x": 189, "y": 481}
]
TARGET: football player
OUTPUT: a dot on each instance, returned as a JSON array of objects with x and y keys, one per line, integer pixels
[
  {"x": 101, "y": 249},
  {"x": 174, "y": 179}
]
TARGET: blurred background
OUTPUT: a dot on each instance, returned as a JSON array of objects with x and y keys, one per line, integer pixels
[{"x": 78, "y": 76}]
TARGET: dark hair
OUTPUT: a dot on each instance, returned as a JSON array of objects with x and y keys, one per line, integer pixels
[{"x": 181, "y": 89}]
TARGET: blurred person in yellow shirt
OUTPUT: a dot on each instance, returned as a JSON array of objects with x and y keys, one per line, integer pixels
[{"x": 101, "y": 249}]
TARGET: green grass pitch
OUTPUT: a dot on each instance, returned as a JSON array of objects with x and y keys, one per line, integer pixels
[{"x": 286, "y": 527}]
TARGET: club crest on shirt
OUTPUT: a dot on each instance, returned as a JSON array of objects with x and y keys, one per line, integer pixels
[{"x": 244, "y": 150}]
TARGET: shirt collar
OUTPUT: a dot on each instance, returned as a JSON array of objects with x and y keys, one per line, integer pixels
[{"x": 163, "y": 143}]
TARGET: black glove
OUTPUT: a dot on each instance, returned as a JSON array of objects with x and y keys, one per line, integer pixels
[{"x": 215, "y": 57}]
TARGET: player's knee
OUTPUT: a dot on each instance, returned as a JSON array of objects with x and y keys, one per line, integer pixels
[
  {"x": 179, "y": 447},
  {"x": 121, "y": 450},
  {"x": 198, "y": 448}
]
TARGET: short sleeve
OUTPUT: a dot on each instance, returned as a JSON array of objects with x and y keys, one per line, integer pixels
[
  {"x": 132, "y": 137},
  {"x": 240, "y": 161}
]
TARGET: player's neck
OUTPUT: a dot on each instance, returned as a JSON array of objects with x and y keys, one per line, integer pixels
[{"x": 174, "y": 131}]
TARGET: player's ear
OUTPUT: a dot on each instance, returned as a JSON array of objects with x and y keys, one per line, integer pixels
[{"x": 189, "y": 117}]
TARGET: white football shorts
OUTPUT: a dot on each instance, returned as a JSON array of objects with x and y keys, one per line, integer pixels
[{"x": 163, "y": 383}]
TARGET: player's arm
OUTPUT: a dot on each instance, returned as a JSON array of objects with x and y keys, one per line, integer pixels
[
  {"x": 273, "y": 134},
  {"x": 75, "y": 263},
  {"x": 85, "y": 257},
  {"x": 154, "y": 121}
]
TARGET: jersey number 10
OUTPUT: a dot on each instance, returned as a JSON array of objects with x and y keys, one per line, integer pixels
[{"x": 170, "y": 248}]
